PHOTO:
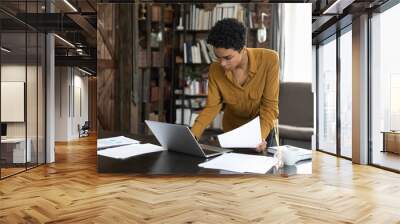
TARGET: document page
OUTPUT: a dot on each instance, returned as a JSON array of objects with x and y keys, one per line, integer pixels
[
  {"x": 241, "y": 163},
  {"x": 245, "y": 136},
  {"x": 115, "y": 141},
  {"x": 128, "y": 151}
]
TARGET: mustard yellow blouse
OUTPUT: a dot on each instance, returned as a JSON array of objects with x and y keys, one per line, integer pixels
[{"x": 257, "y": 97}]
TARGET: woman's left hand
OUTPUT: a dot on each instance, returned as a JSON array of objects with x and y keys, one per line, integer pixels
[{"x": 261, "y": 146}]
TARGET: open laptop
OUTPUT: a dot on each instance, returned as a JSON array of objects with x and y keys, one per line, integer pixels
[{"x": 179, "y": 138}]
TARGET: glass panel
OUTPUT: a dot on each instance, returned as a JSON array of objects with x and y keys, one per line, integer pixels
[
  {"x": 327, "y": 97},
  {"x": 32, "y": 89},
  {"x": 13, "y": 87},
  {"x": 386, "y": 89},
  {"x": 31, "y": 98},
  {"x": 41, "y": 98},
  {"x": 346, "y": 94},
  {"x": 22, "y": 67}
]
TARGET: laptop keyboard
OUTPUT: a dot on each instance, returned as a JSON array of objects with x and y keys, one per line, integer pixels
[{"x": 208, "y": 149}]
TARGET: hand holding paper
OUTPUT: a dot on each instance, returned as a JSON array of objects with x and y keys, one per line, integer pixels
[{"x": 245, "y": 136}]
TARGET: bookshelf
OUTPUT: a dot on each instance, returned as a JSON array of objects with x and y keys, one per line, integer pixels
[
  {"x": 155, "y": 47},
  {"x": 193, "y": 56}
]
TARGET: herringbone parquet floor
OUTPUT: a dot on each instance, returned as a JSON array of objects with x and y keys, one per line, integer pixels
[{"x": 70, "y": 191}]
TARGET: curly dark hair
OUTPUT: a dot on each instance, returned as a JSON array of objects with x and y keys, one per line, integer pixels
[{"x": 228, "y": 33}]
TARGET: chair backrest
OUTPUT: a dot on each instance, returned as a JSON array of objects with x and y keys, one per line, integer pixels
[
  {"x": 86, "y": 125},
  {"x": 296, "y": 104}
]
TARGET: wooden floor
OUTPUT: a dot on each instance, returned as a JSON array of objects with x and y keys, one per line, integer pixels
[
  {"x": 70, "y": 191},
  {"x": 10, "y": 171}
]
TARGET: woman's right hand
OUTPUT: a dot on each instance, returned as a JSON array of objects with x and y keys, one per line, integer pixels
[{"x": 261, "y": 147}]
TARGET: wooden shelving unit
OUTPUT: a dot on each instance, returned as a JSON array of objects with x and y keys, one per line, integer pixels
[
  {"x": 181, "y": 69},
  {"x": 154, "y": 37}
]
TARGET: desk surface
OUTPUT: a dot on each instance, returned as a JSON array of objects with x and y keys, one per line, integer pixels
[
  {"x": 13, "y": 140},
  {"x": 173, "y": 163}
]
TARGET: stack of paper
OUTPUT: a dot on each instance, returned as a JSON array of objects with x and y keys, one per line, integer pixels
[
  {"x": 114, "y": 142},
  {"x": 127, "y": 151},
  {"x": 245, "y": 136},
  {"x": 241, "y": 163}
]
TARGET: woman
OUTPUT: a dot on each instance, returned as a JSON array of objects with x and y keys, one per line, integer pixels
[{"x": 246, "y": 80}]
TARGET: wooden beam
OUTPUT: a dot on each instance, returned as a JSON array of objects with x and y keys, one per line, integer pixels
[
  {"x": 84, "y": 24},
  {"x": 105, "y": 64},
  {"x": 107, "y": 41},
  {"x": 62, "y": 6}
]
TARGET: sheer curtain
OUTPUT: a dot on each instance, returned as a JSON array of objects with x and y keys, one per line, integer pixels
[
  {"x": 297, "y": 37},
  {"x": 278, "y": 34}
]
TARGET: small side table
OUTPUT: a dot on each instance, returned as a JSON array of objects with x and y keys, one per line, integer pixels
[{"x": 391, "y": 141}]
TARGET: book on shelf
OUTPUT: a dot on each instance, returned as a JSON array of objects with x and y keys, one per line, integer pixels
[
  {"x": 185, "y": 53},
  {"x": 194, "y": 54},
  {"x": 204, "y": 51},
  {"x": 156, "y": 59},
  {"x": 143, "y": 62},
  {"x": 196, "y": 87},
  {"x": 205, "y": 19},
  {"x": 156, "y": 14},
  {"x": 179, "y": 60},
  {"x": 154, "y": 93},
  {"x": 198, "y": 53},
  {"x": 189, "y": 53}
]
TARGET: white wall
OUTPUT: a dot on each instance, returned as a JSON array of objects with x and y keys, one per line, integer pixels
[
  {"x": 33, "y": 126},
  {"x": 61, "y": 103},
  {"x": 15, "y": 73},
  {"x": 81, "y": 82},
  {"x": 71, "y": 94}
]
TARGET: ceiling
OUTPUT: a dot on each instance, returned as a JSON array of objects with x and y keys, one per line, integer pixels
[
  {"x": 329, "y": 16},
  {"x": 76, "y": 22}
]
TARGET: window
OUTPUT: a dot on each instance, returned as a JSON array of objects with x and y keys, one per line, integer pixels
[
  {"x": 327, "y": 96},
  {"x": 385, "y": 83},
  {"x": 346, "y": 94}
]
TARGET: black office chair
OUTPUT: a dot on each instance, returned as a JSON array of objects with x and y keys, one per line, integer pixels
[{"x": 84, "y": 130}]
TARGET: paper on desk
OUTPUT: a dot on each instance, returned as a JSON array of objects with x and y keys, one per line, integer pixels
[
  {"x": 241, "y": 163},
  {"x": 245, "y": 136},
  {"x": 127, "y": 151},
  {"x": 115, "y": 141}
]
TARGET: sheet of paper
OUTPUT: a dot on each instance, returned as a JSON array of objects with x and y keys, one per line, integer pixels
[
  {"x": 127, "y": 151},
  {"x": 115, "y": 141},
  {"x": 241, "y": 163},
  {"x": 245, "y": 136}
]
